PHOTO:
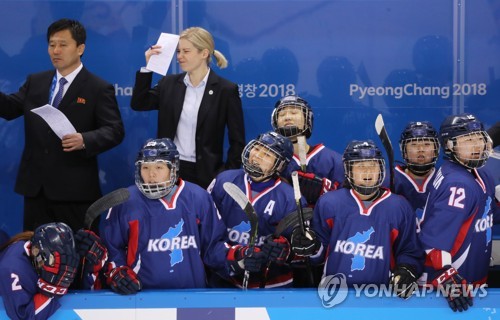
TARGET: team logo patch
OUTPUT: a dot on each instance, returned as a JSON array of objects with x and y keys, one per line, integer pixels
[
  {"x": 173, "y": 242},
  {"x": 356, "y": 245}
]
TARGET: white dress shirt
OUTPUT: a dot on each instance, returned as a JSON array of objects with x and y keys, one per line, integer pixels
[
  {"x": 185, "y": 137},
  {"x": 70, "y": 77}
]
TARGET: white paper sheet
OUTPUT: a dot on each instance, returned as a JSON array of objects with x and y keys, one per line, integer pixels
[
  {"x": 159, "y": 63},
  {"x": 55, "y": 119}
]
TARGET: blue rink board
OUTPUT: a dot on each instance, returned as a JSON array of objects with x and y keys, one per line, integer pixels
[{"x": 260, "y": 304}]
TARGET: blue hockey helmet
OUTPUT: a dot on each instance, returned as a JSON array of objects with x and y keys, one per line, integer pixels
[
  {"x": 50, "y": 238},
  {"x": 424, "y": 133},
  {"x": 361, "y": 151},
  {"x": 157, "y": 150},
  {"x": 292, "y": 131},
  {"x": 473, "y": 152},
  {"x": 275, "y": 144}
]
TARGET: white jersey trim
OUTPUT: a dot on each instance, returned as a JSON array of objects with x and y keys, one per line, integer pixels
[
  {"x": 419, "y": 189},
  {"x": 367, "y": 211},
  {"x": 480, "y": 181},
  {"x": 248, "y": 190},
  {"x": 309, "y": 156},
  {"x": 172, "y": 204}
]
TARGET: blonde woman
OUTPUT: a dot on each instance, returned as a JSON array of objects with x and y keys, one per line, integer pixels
[{"x": 195, "y": 108}]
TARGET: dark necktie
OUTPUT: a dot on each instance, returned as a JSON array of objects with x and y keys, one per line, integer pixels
[{"x": 59, "y": 95}]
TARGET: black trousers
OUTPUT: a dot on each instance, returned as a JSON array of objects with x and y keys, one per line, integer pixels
[
  {"x": 40, "y": 210},
  {"x": 187, "y": 171}
]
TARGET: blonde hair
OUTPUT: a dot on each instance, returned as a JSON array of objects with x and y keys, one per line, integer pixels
[{"x": 201, "y": 40}]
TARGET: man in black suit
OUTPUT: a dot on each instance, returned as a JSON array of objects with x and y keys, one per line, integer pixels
[
  {"x": 59, "y": 179},
  {"x": 195, "y": 107}
]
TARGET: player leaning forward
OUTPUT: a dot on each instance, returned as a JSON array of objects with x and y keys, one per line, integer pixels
[
  {"x": 264, "y": 159},
  {"x": 37, "y": 268},
  {"x": 459, "y": 214},
  {"x": 370, "y": 232},
  {"x": 165, "y": 234}
]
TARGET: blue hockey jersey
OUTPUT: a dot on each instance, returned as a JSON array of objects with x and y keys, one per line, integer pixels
[
  {"x": 18, "y": 285},
  {"x": 414, "y": 191},
  {"x": 321, "y": 161},
  {"x": 167, "y": 242},
  {"x": 457, "y": 221},
  {"x": 365, "y": 243},
  {"x": 271, "y": 205}
]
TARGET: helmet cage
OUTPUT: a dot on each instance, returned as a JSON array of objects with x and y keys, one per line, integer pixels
[
  {"x": 254, "y": 170},
  {"x": 48, "y": 239},
  {"x": 364, "y": 190},
  {"x": 156, "y": 190},
  {"x": 293, "y": 131},
  {"x": 157, "y": 150},
  {"x": 451, "y": 149},
  {"x": 412, "y": 163}
]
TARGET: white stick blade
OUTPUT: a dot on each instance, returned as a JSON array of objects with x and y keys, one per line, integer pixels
[
  {"x": 379, "y": 123},
  {"x": 296, "y": 187},
  {"x": 301, "y": 141},
  {"x": 236, "y": 193}
]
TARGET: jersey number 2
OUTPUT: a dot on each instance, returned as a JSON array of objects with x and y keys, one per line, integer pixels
[
  {"x": 15, "y": 282},
  {"x": 456, "y": 197}
]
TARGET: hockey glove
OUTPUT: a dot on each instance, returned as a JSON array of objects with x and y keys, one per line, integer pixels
[
  {"x": 456, "y": 289},
  {"x": 90, "y": 247},
  {"x": 123, "y": 280},
  {"x": 312, "y": 186},
  {"x": 276, "y": 249},
  {"x": 242, "y": 258},
  {"x": 56, "y": 276},
  {"x": 304, "y": 244},
  {"x": 403, "y": 281}
]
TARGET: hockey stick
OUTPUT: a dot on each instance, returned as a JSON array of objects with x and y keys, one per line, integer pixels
[
  {"x": 244, "y": 203},
  {"x": 104, "y": 203},
  {"x": 291, "y": 220},
  {"x": 386, "y": 142},
  {"x": 297, "y": 195},
  {"x": 301, "y": 142}
]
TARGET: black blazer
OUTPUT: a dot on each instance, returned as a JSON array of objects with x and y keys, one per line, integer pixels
[
  {"x": 220, "y": 107},
  {"x": 90, "y": 105}
]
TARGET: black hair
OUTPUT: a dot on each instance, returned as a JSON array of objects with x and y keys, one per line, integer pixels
[{"x": 77, "y": 30}]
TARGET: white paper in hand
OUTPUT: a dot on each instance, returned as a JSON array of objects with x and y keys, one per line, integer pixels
[
  {"x": 159, "y": 63},
  {"x": 56, "y": 120}
]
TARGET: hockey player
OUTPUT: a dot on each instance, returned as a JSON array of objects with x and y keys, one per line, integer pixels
[
  {"x": 369, "y": 231},
  {"x": 36, "y": 268},
  {"x": 264, "y": 158},
  {"x": 166, "y": 232},
  {"x": 293, "y": 117},
  {"x": 419, "y": 147},
  {"x": 459, "y": 214}
]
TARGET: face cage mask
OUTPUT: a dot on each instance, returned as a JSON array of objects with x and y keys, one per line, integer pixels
[
  {"x": 365, "y": 190},
  {"x": 42, "y": 257},
  {"x": 291, "y": 131},
  {"x": 253, "y": 169},
  {"x": 155, "y": 190},
  {"x": 420, "y": 169},
  {"x": 471, "y": 163}
]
